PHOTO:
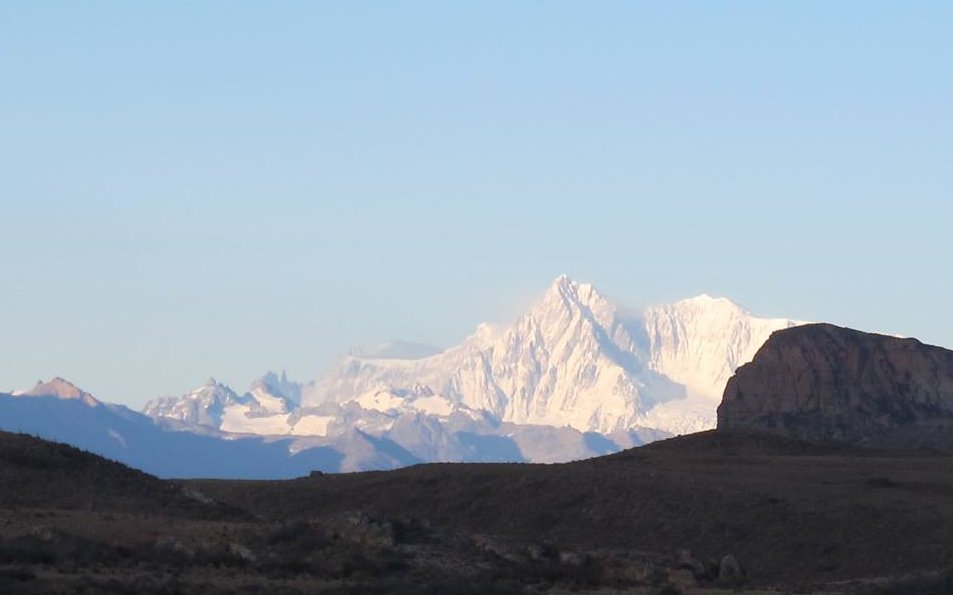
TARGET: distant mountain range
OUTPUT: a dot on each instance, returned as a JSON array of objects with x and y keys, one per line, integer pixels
[{"x": 574, "y": 377}]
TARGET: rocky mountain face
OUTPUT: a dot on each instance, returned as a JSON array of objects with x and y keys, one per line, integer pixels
[
  {"x": 203, "y": 406},
  {"x": 216, "y": 406},
  {"x": 828, "y": 384}
]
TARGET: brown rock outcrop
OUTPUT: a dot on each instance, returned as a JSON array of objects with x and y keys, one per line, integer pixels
[{"x": 827, "y": 384}]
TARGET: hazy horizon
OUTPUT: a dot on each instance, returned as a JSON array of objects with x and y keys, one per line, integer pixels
[{"x": 197, "y": 190}]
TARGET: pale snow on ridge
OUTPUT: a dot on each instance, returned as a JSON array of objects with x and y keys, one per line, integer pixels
[{"x": 572, "y": 361}]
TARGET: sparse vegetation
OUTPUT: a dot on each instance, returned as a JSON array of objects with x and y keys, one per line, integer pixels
[{"x": 789, "y": 515}]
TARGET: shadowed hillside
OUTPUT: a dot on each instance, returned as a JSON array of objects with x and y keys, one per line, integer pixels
[
  {"x": 708, "y": 511},
  {"x": 35, "y": 473},
  {"x": 791, "y": 512}
]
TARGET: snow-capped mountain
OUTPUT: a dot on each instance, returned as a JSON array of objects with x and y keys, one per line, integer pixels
[
  {"x": 574, "y": 360},
  {"x": 575, "y": 376},
  {"x": 58, "y": 410},
  {"x": 700, "y": 342},
  {"x": 266, "y": 410},
  {"x": 204, "y": 406}
]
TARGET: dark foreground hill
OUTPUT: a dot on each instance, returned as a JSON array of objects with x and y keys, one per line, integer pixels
[
  {"x": 710, "y": 511},
  {"x": 794, "y": 514},
  {"x": 36, "y": 473}
]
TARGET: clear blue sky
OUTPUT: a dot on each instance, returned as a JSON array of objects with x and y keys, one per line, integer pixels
[{"x": 206, "y": 188}]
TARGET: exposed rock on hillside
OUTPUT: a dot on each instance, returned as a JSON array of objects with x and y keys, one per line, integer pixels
[{"x": 824, "y": 383}]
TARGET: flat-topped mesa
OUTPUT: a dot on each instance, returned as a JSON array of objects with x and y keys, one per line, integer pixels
[{"x": 827, "y": 384}]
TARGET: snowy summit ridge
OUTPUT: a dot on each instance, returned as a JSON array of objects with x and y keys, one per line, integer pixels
[
  {"x": 573, "y": 360},
  {"x": 572, "y": 366}
]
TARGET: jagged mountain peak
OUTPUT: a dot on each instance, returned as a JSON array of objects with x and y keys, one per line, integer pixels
[
  {"x": 562, "y": 284},
  {"x": 200, "y": 406},
  {"x": 263, "y": 409},
  {"x": 567, "y": 300},
  {"x": 279, "y": 385},
  {"x": 213, "y": 387},
  {"x": 563, "y": 287}
]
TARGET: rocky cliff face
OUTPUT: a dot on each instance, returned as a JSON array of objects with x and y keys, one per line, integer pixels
[{"x": 824, "y": 383}]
